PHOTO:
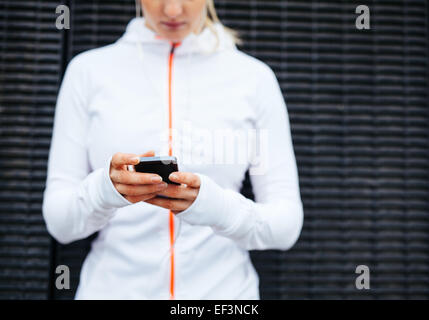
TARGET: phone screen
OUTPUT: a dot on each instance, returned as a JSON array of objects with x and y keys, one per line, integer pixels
[{"x": 162, "y": 166}]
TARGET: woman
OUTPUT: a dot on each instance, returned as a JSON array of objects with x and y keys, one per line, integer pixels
[{"x": 122, "y": 101}]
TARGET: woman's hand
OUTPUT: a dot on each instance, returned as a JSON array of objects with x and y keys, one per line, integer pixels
[
  {"x": 182, "y": 195},
  {"x": 134, "y": 186}
]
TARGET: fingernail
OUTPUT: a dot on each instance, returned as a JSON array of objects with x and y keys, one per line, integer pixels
[
  {"x": 154, "y": 179},
  {"x": 173, "y": 176},
  {"x": 134, "y": 159}
]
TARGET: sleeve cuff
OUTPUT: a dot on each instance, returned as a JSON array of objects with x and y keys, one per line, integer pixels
[{"x": 209, "y": 208}]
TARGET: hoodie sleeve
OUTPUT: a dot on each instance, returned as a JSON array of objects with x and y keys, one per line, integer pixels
[
  {"x": 76, "y": 202},
  {"x": 274, "y": 220}
]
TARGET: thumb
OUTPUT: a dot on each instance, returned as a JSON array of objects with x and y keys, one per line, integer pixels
[
  {"x": 149, "y": 153},
  {"x": 135, "y": 160}
]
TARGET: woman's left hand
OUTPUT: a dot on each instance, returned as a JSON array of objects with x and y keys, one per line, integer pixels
[{"x": 182, "y": 196}]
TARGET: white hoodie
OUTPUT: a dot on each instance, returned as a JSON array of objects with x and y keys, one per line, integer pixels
[{"x": 115, "y": 99}]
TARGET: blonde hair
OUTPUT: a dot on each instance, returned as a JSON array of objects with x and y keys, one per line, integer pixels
[{"x": 210, "y": 20}]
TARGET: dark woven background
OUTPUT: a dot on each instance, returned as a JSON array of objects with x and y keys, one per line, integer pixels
[{"x": 358, "y": 105}]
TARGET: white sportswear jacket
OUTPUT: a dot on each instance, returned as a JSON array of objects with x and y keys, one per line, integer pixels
[{"x": 115, "y": 99}]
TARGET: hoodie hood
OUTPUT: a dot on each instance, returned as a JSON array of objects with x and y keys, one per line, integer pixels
[{"x": 204, "y": 43}]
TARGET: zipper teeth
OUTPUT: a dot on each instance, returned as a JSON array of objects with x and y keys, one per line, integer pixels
[{"x": 170, "y": 153}]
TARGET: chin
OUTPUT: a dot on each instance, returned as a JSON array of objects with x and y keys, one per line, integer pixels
[
  {"x": 175, "y": 39},
  {"x": 175, "y": 36}
]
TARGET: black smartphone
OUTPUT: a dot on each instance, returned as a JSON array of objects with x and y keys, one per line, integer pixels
[{"x": 162, "y": 165}]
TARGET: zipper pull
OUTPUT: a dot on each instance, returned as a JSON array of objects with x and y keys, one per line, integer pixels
[{"x": 173, "y": 46}]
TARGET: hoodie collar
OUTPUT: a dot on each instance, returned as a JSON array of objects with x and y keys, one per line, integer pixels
[{"x": 204, "y": 43}]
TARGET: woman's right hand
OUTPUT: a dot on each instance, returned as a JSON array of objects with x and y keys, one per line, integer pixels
[{"x": 134, "y": 186}]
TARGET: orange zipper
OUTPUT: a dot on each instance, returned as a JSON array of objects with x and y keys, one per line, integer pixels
[{"x": 170, "y": 153}]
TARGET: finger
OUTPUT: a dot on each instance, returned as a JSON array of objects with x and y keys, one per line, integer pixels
[
  {"x": 128, "y": 177},
  {"x": 179, "y": 192},
  {"x": 188, "y": 178},
  {"x": 171, "y": 204},
  {"x": 138, "y": 190},
  {"x": 145, "y": 197},
  {"x": 120, "y": 159},
  {"x": 149, "y": 153}
]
